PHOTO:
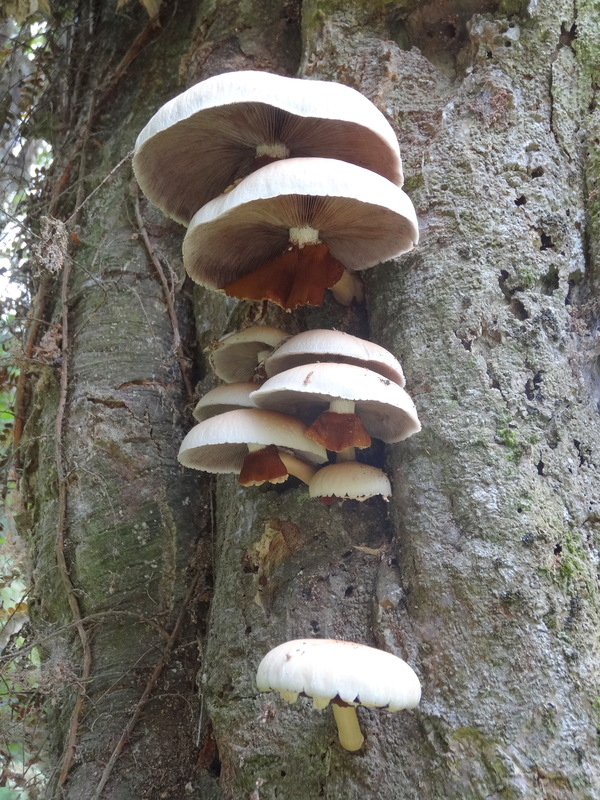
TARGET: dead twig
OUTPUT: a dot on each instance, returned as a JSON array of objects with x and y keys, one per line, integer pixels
[
  {"x": 149, "y": 688},
  {"x": 100, "y": 185},
  {"x": 181, "y": 359},
  {"x": 61, "y": 525}
]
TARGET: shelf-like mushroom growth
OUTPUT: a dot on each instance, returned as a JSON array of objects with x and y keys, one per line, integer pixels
[
  {"x": 349, "y": 480},
  {"x": 341, "y": 401},
  {"x": 227, "y": 397},
  {"x": 294, "y": 228},
  {"x": 236, "y": 356},
  {"x": 343, "y": 673},
  {"x": 225, "y": 127},
  {"x": 333, "y": 346},
  {"x": 256, "y": 445}
]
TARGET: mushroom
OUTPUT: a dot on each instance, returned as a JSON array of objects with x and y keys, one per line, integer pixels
[
  {"x": 288, "y": 230},
  {"x": 227, "y": 126},
  {"x": 224, "y": 398},
  {"x": 345, "y": 673},
  {"x": 349, "y": 480},
  {"x": 236, "y": 356},
  {"x": 325, "y": 345},
  {"x": 347, "y": 402},
  {"x": 257, "y": 445}
]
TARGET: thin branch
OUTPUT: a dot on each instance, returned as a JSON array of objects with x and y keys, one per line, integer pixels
[
  {"x": 100, "y": 185},
  {"x": 182, "y": 360},
  {"x": 98, "y": 616},
  {"x": 61, "y": 525},
  {"x": 153, "y": 680},
  {"x": 37, "y": 312}
]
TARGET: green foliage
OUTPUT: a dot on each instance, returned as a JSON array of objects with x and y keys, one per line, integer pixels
[
  {"x": 509, "y": 438},
  {"x": 22, "y": 162}
]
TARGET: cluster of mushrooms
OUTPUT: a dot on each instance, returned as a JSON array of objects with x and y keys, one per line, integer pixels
[{"x": 289, "y": 188}]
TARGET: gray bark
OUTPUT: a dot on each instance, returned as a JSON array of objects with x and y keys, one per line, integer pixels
[{"x": 482, "y": 569}]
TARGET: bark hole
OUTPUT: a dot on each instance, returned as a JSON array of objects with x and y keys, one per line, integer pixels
[
  {"x": 540, "y": 467},
  {"x": 550, "y": 280},
  {"x": 546, "y": 242}
]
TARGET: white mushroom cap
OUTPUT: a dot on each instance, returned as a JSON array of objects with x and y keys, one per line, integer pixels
[
  {"x": 350, "y": 480},
  {"x": 325, "y": 345},
  {"x": 220, "y": 444},
  {"x": 198, "y": 143},
  {"x": 224, "y": 398},
  {"x": 325, "y": 669},
  {"x": 234, "y": 357},
  {"x": 361, "y": 217},
  {"x": 385, "y": 409}
]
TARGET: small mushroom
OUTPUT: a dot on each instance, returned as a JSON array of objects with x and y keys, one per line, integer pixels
[
  {"x": 333, "y": 346},
  {"x": 257, "y": 445},
  {"x": 236, "y": 356},
  {"x": 349, "y": 480},
  {"x": 227, "y": 126},
  {"x": 319, "y": 392},
  {"x": 345, "y": 673},
  {"x": 289, "y": 230},
  {"x": 221, "y": 399}
]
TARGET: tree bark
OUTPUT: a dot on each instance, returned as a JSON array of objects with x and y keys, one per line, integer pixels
[{"x": 481, "y": 571}]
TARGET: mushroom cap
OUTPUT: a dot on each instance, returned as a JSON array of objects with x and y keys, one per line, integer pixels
[
  {"x": 328, "y": 668},
  {"x": 199, "y": 142},
  {"x": 224, "y": 398},
  {"x": 234, "y": 357},
  {"x": 361, "y": 217},
  {"x": 349, "y": 480},
  {"x": 385, "y": 409},
  {"x": 220, "y": 444},
  {"x": 326, "y": 345}
]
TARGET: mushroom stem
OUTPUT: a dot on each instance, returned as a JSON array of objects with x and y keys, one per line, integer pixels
[
  {"x": 297, "y": 277},
  {"x": 275, "y": 150},
  {"x": 296, "y": 467},
  {"x": 348, "y": 288},
  {"x": 262, "y": 464},
  {"x": 339, "y": 430},
  {"x": 347, "y": 454},
  {"x": 304, "y": 235},
  {"x": 342, "y": 406},
  {"x": 349, "y": 732}
]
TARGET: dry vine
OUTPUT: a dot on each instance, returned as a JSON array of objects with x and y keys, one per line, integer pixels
[{"x": 168, "y": 295}]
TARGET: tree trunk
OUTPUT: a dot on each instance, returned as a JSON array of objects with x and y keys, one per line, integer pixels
[{"x": 481, "y": 571}]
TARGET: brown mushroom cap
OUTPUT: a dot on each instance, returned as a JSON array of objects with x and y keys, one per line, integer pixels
[
  {"x": 386, "y": 410},
  {"x": 198, "y": 143},
  {"x": 234, "y": 357},
  {"x": 220, "y": 444},
  {"x": 361, "y": 217},
  {"x": 221, "y": 399},
  {"x": 350, "y": 480},
  {"x": 342, "y": 348}
]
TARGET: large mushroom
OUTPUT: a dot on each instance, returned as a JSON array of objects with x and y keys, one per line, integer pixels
[
  {"x": 290, "y": 230},
  {"x": 344, "y": 401},
  {"x": 227, "y": 126},
  {"x": 333, "y": 346},
  {"x": 257, "y": 445},
  {"x": 343, "y": 673}
]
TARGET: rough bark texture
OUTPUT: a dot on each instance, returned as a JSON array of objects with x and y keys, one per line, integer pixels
[{"x": 482, "y": 570}]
